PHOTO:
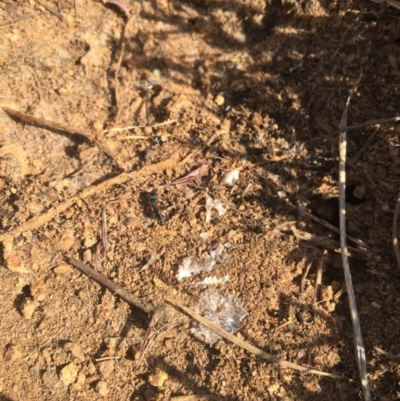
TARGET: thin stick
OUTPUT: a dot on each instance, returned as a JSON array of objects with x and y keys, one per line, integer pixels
[
  {"x": 305, "y": 213},
  {"x": 104, "y": 235},
  {"x": 44, "y": 218},
  {"x": 52, "y": 10},
  {"x": 354, "y": 160},
  {"x": 387, "y": 354},
  {"x": 18, "y": 19},
  {"x": 117, "y": 289},
  {"x": 131, "y": 299},
  {"x": 121, "y": 56},
  {"x": 280, "y": 327},
  {"x": 24, "y": 17},
  {"x": 40, "y": 122},
  {"x": 327, "y": 243},
  {"x": 303, "y": 283},
  {"x": 197, "y": 397},
  {"x": 358, "y": 340},
  {"x": 372, "y": 122},
  {"x": 167, "y": 122},
  {"x": 393, "y": 3},
  {"x": 394, "y": 230},
  {"x": 133, "y": 137},
  {"x": 248, "y": 347},
  {"x": 107, "y": 358},
  {"x": 318, "y": 279},
  {"x": 55, "y": 126}
]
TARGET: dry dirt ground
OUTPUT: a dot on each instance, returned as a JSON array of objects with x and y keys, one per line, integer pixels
[{"x": 253, "y": 85}]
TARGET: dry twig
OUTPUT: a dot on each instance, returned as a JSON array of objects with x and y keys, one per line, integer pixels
[
  {"x": 358, "y": 340},
  {"x": 57, "y": 127},
  {"x": 392, "y": 3},
  {"x": 103, "y": 230},
  {"x": 145, "y": 306},
  {"x": 373, "y": 122},
  {"x": 354, "y": 160},
  {"x": 327, "y": 243},
  {"x": 248, "y": 347},
  {"x": 117, "y": 289},
  {"x": 197, "y": 397},
  {"x": 118, "y": 67},
  {"x": 117, "y": 129},
  {"x": 305, "y": 213},
  {"x": 394, "y": 230},
  {"x": 52, "y": 10},
  {"x": 44, "y": 218}
]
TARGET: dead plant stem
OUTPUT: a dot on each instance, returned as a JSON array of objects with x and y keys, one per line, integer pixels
[
  {"x": 394, "y": 230},
  {"x": 358, "y": 339}
]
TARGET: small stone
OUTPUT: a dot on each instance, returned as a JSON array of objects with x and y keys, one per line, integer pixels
[
  {"x": 102, "y": 388},
  {"x": 219, "y": 100},
  {"x": 226, "y": 125},
  {"x": 148, "y": 130},
  {"x": 39, "y": 290},
  {"x": 158, "y": 378},
  {"x": 12, "y": 354},
  {"x": 28, "y": 308},
  {"x": 69, "y": 373},
  {"x": 63, "y": 268},
  {"x": 15, "y": 263},
  {"x": 87, "y": 255},
  {"x": 80, "y": 381},
  {"x": 301, "y": 354},
  {"x": 106, "y": 368},
  {"x": 273, "y": 388},
  {"x": 81, "y": 378},
  {"x": 164, "y": 137}
]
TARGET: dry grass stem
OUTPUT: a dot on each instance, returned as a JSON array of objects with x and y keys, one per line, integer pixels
[
  {"x": 391, "y": 3},
  {"x": 372, "y": 122},
  {"x": 394, "y": 230},
  {"x": 116, "y": 129},
  {"x": 52, "y": 10},
  {"x": 200, "y": 397},
  {"x": 358, "y": 339},
  {"x": 57, "y": 127},
  {"x": 327, "y": 243},
  {"x": 248, "y": 347},
  {"x": 118, "y": 67},
  {"x": 45, "y": 217},
  {"x": 146, "y": 307}
]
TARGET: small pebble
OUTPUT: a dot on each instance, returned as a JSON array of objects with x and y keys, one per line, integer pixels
[
  {"x": 63, "y": 268},
  {"x": 102, "y": 388},
  {"x": 28, "y": 308},
  {"x": 158, "y": 378},
  {"x": 69, "y": 373},
  {"x": 16, "y": 264},
  {"x": 219, "y": 100}
]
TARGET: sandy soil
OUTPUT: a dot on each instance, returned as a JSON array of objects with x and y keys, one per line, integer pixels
[{"x": 253, "y": 85}]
